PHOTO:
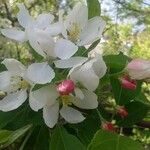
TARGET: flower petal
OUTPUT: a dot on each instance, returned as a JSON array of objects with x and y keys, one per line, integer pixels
[
  {"x": 4, "y": 80},
  {"x": 83, "y": 74},
  {"x": 33, "y": 37},
  {"x": 13, "y": 101},
  {"x": 65, "y": 49},
  {"x": 45, "y": 42},
  {"x": 89, "y": 101},
  {"x": 79, "y": 93},
  {"x": 14, "y": 66},
  {"x": 23, "y": 16},
  {"x": 44, "y": 20},
  {"x": 43, "y": 96},
  {"x": 78, "y": 16},
  {"x": 71, "y": 115},
  {"x": 14, "y": 34},
  {"x": 69, "y": 63},
  {"x": 50, "y": 114},
  {"x": 40, "y": 73},
  {"x": 54, "y": 29},
  {"x": 92, "y": 31}
]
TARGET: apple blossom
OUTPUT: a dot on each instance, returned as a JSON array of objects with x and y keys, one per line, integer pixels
[
  {"x": 139, "y": 69},
  {"x": 50, "y": 100},
  {"x": 17, "y": 80}
]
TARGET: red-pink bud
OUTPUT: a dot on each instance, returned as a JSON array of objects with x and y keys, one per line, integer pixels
[
  {"x": 108, "y": 126},
  {"x": 128, "y": 83},
  {"x": 122, "y": 111},
  {"x": 66, "y": 87}
]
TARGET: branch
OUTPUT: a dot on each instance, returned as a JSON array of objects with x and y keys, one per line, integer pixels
[
  {"x": 144, "y": 124},
  {"x": 125, "y": 5},
  {"x": 9, "y": 16}
]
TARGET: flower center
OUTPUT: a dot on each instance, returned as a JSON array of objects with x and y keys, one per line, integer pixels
[
  {"x": 74, "y": 32},
  {"x": 17, "y": 83},
  {"x": 66, "y": 100}
]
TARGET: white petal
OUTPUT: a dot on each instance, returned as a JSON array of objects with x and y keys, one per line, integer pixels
[
  {"x": 14, "y": 66},
  {"x": 14, "y": 34},
  {"x": 89, "y": 101},
  {"x": 79, "y": 93},
  {"x": 13, "y": 101},
  {"x": 44, "y": 20},
  {"x": 40, "y": 73},
  {"x": 54, "y": 29},
  {"x": 50, "y": 114},
  {"x": 45, "y": 42},
  {"x": 78, "y": 16},
  {"x": 43, "y": 96},
  {"x": 4, "y": 80},
  {"x": 83, "y": 74},
  {"x": 92, "y": 31},
  {"x": 33, "y": 37},
  {"x": 65, "y": 49},
  {"x": 71, "y": 115},
  {"x": 99, "y": 66},
  {"x": 23, "y": 16},
  {"x": 71, "y": 62}
]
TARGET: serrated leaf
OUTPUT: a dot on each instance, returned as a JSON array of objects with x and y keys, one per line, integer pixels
[
  {"x": 104, "y": 140},
  {"x": 60, "y": 139}
]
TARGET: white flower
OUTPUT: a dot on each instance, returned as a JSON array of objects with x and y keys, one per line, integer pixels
[
  {"x": 52, "y": 103},
  {"x": 32, "y": 27},
  {"x": 85, "y": 71},
  {"x": 79, "y": 29},
  {"x": 17, "y": 80}
]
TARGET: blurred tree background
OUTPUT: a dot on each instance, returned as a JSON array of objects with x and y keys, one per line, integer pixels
[{"x": 127, "y": 30}]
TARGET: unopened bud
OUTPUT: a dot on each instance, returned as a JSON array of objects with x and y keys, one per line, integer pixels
[
  {"x": 122, "y": 111},
  {"x": 108, "y": 126},
  {"x": 66, "y": 87}
]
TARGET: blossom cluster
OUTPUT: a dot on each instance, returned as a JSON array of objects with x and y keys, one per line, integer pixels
[{"x": 58, "y": 42}]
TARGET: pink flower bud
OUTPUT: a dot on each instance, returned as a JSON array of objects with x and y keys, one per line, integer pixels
[
  {"x": 122, "y": 111},
  {"x": 128, "y": 83},
  {"x": 139, "y": 69},
  {"x": 108, "y": 126},
  {"x": 66, "y": 87}
]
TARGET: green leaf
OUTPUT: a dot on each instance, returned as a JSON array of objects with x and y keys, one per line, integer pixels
[
  {"x": 93, "y": 8},
  {"x": 15, "y": 135},
  {"x": 86, "y": 129},
  {"x": 4, "y": 134},
  {"x": 62, "y": 140},
  {"x": 136, "y": 112},
  {"x": 38, "y": 140},
  {"x": 104, "y": 140},
  {"x": 122, "y": 95}
]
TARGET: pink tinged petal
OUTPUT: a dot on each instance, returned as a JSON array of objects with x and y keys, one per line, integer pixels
[
  {"x": 14, "y": 34},
  {"x": 14, "y": 66},
  {"x": 139, "y": 69},
  {"x": 71, "y": 62},
  {"x": 92, "y": 31},
  {"x": 23, "y": 16},
  {"x": 71, "y": 115},
  {"x": 13, "y": 101},
  {"x": 44, "y": 20},
  {"x": 64, "y": 49},
  {"x": 4, "y": 80},
  {"x": 46, "y": 95},
  {"x": 89, "y": 101},
  {"x": 50, "y": 114},
  {"x": 40, "y": 73}
]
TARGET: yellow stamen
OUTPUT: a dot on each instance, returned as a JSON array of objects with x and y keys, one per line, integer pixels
[
  {"x": 24, "y": 84},
  {"x": 66, "y": 100}
]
